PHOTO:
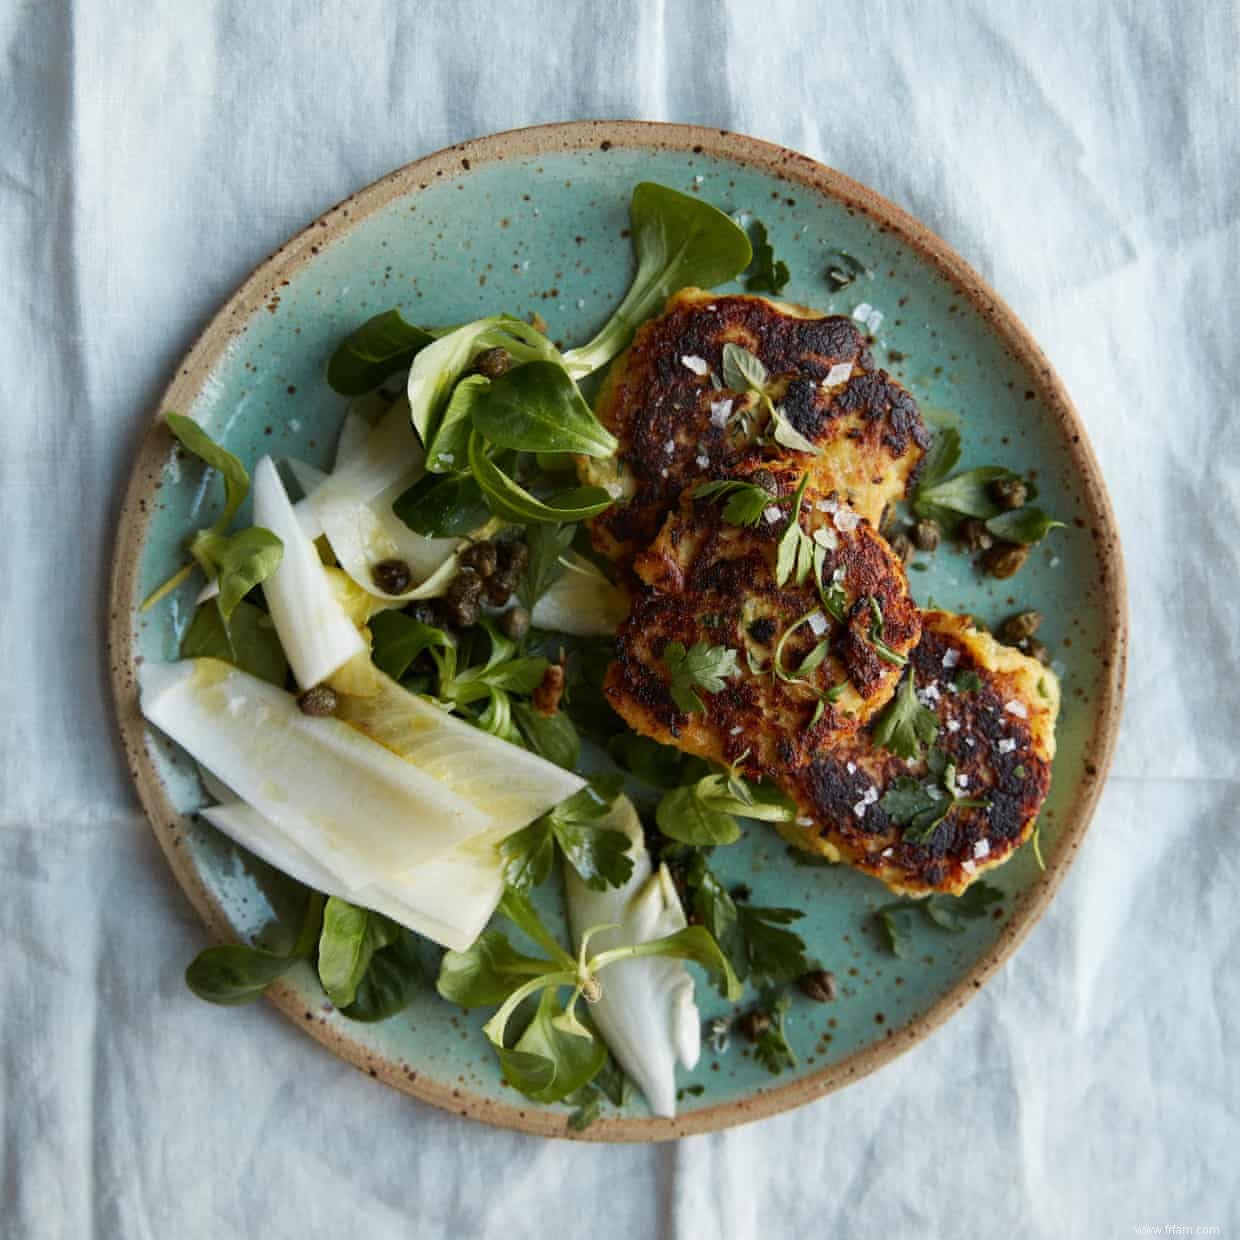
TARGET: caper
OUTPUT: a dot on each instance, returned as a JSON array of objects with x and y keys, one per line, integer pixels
[
  {"x": 319, "y": 701},
  {"x": 493, "y": 362},
  {"x": 1005, "y": 559},
  {"x": 1009, "y": 492},
  {"x": 392, "y": 576},
  {"x": 902, "y": 545},
  {"x": 926, "y": 534},
  {"x": 514, "y": 556},
  {"x": 754, "y": 1024},
  {"x": 463, "y": 600},
  {"x": 819, "y": 985},
  {"x": 1016, "y": 628},
  {"x": 498, "y": 588},
  {"x": 974, "y": 535},
  {"x": 764, "y": 480},
  {"x": 482, "y": 557},
  {"x": 515, "y": 623}
]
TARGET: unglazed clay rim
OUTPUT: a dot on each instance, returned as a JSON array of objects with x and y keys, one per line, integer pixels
[{"x": 789, "y": 166}]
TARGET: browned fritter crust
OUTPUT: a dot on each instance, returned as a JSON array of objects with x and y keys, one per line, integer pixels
[
  {"x": 1001, "y": 738},
  {"x": 707, "y": 580},
  {"x": 868, "y": 428}
]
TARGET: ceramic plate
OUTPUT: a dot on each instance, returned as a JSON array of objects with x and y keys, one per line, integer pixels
[{"x": 535, "y": 221}]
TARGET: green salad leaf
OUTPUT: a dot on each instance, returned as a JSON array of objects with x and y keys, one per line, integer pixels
[
  {"x": 443, "y": 505},
  {"x": 599, "y": 854},
  {"x": 349, "y": 940},
  {"x": 235, "y": 973},
  {"x": 896, "y": 921},
  {"x": 1023, "y": 525},
  {"x": 390, "y": 983},
  {"x": 510, "y": 501},
  {"x": 397, "y": 640},
  {"x": 766, "y": 274},
  {"x": 546, "y": 544},
  {"x": 380, "y": 347},
  {"x": 445, "y": 452},
  {"x": 241, "y": 562},
  {"x": 236, "y": 480},
  {"x": 684, "y": 815},
  {"x": 553, "y": 737},
  {"x": 247, "y": 640},
  {"x": 679, "y": 240},
  {"x": 538, "y": 408}
]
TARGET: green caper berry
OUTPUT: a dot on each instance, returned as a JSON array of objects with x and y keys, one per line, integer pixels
[
  {"x": 1009, "y": 492},
  {"x": 927, "y": 534},
  {"x": 1020, "y": 626},
  {"x": 493, "y": 362},
  {"x": 1005, "y": 559}
]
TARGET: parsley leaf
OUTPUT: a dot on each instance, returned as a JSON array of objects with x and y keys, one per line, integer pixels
[
  {"x": 701, "y": 666},
  {"x": 772, "y": 1050},
  {"x": 743, "y": 504},
  {"x": 906, "y": 724},
  {"x": 896, "y": 921},
  {"x": 766, "y": 274},
  {"x": 920, "y": 807},
  {"x": 598, "y": 853},
  {"x": 773, "y": 952},
  {"x": 967, "y": 682}
]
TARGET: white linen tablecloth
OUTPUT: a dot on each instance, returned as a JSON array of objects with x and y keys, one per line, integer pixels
[{"x": 1085, "y": 156}]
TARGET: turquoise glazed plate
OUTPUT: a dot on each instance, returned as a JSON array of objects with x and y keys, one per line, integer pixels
[{"x": 536, "y": 221}]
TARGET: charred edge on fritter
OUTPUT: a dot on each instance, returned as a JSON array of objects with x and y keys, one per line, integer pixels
[
  {"x": 652, "y": 399},
  {"x": 1015, "y": 783}
]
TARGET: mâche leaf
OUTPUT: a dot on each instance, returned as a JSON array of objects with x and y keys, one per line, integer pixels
[
  {"x": 398, "y": 639},
  {"x": 242, "y": 561},
  {"x": 390, "y": 983},
  {"x": 553, "y": 737},
  {"x": 349, "y": 939},
  {"x": 380, "y": 347},
  {"x": 443, "y": 505},
  {"x": 538, "y": 408},
  {"x": 235, "y": 973},
  {"x": 448, "y": 444},
  {"x": 247, "y": 640},
  {"x": 679, "y": 240},
  {"x": 486, "y": 972},
  {"x": 1022, "y": 525},
  {"x": 236, "y": 480},
  {"x": 510, "y": 501},
  {"x": 546, "y": 544}
]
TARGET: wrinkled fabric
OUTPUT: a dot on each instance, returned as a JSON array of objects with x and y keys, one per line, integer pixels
[{"x": 1086, "y": 157}]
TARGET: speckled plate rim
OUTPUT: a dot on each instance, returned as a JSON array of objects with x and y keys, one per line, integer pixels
[{"x": 455, "y": 161}]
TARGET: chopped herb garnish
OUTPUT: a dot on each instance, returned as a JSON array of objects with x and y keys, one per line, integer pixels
[
  {"x": 920, "y": 807},
  {"x": 967, "y": 682},
  {"x": 842, "y": 270},
  {"x": 906, "y": 724},
  {"x": 895, "y": 921},
  {"x": 743, "y": 503},
  {"x": 795, "y": 555},
  {"x": 881, "y": 648},
  {"x": 699, "y": 667},
  {"x": 772, "y": 1050},
  {"x": 766, "y": 274},
  {"x": 1036, "y": 840}
]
